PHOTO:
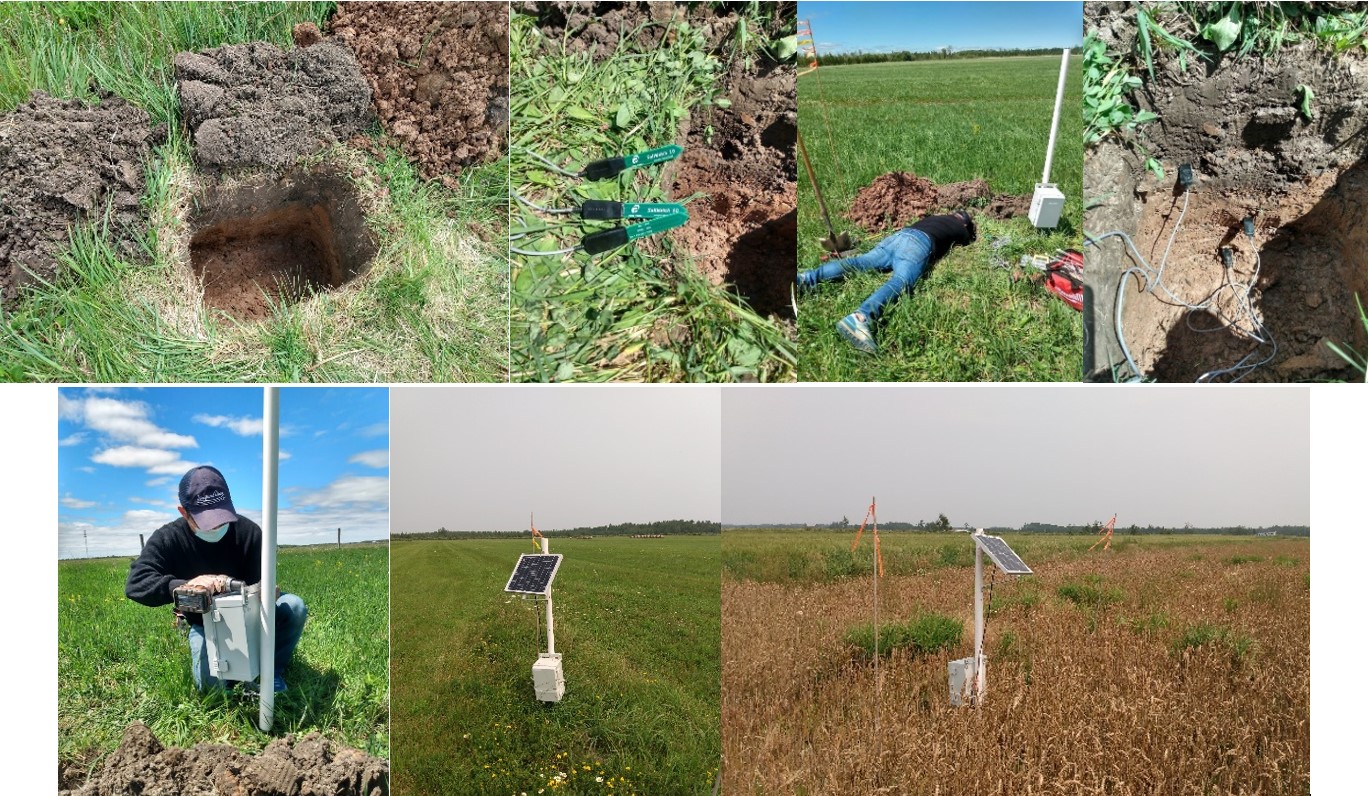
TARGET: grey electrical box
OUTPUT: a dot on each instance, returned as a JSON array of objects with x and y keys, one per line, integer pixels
[
  {"x": 1047, "y": 203},
  {"x": 962, "y": 681},
  {"x": 548, "y": 678},
  {"x": 232, "y": 630}
]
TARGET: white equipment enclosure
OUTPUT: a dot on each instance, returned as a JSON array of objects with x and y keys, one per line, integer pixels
[
  {"x": 969, "y": 676},
  {"x": 533, "y": 575},
  {"x": 1047, "y": 203},
  {"x": 231, "y": 635}
]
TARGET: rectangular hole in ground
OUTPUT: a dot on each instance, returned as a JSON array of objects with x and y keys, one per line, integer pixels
[{"x": 285, "y": 254}]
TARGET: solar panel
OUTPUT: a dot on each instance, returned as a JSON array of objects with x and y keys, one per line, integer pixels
[
  {"x": 998, "y": 550},
  {"x": 534, "y": 573}
]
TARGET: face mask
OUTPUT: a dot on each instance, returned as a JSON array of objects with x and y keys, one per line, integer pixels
[{"x": 213, "y": 534}]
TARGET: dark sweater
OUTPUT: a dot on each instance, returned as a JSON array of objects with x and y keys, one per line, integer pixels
[
  {"x": 174, "y": 555},
  {"x": 944, "y": 232}
]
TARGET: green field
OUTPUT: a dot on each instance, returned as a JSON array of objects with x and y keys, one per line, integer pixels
[
  {"x": 638, "y": 622},
  {"x": 120, "y": 662},
  {"x": 948, "y": 121},
  {"x": 806, "y": 556}
]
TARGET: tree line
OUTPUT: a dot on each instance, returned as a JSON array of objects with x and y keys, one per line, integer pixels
[
  {"x": 943, "y": 54},
  {"x": 943, "y": 525},
  {"x": 664, "y": 527}
]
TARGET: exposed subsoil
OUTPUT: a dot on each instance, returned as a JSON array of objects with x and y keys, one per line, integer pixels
[
  {"x": 291, "y": 766},
  {"x": 1303, "y": 181},
  {"x": 253, "y": 105},
  {"x": 745, "y": 232},
  {"x": 439, "y": 74},
  {"x": 277, "y": 239},
  {"x": 61, "y": 164},
  {"x": 899, "y": 198}
]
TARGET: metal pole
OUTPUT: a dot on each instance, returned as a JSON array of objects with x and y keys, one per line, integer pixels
[
  {"x": 978, "y": 622},
  {"x": 270, "y": 483},
  {"x": 1054, "y": 123},
  {"x": 878, "y": 681},
  {"x": 339, "y": 537},
  {"x": 141, "y": 543},
  {"x": 550, "y": 622}
]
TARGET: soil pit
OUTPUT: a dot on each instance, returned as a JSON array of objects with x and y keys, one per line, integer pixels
[
  {"x": 61, "y": 164},
  {"x": 291, "y": 766},
  {"x": 745, "y": 232},
  {"x": 899, "y": 198},
  {"x": 439, "y": 73},
  {"x": 278, "y": 240},
  {"x": 1302, "y": 180},
  {"x": 251, "y": 105}
]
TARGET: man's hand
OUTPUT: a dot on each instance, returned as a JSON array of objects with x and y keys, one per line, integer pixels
[{"x": 214, "y": 583}]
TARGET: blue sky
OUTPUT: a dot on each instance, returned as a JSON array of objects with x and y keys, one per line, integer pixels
[
  {"x": 923, "y": 27},
  {"x": 122, "y": 452}
]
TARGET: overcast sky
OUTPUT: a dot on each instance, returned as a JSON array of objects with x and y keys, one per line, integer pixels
[
  {"x": 482, "y": 457},
  {"x": 1005, "y": 455}
]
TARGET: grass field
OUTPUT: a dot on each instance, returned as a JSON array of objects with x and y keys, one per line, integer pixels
[
  {"x": 120, "y": 662},
  {"x": 637, "y": 621},
  {"x": 433, "y": 306},
  {"x": 1167, "y": 665},
  {"x": 948, "y": 121},
  {"x": 639, "y": 313}
]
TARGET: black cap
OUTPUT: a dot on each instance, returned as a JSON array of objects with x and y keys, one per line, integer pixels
[{"x": 204, "y": 495}]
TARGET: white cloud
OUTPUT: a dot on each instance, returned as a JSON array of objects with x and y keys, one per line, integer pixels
[
  {"x": 74, "y": 439},
  {"x": 160, "y": 480},
  {"x": 377, "y": 458},
  {"x": 86, "y": 469},
  {"x": 284, "y": 454},
  {"x": 242, "y": 426},
  {"x": 346, "y": 491},
  {"x": 375, "y": 430},
  {"x": 154, "y": 460},
  {"x": 128, "y": 421},
  {"x": 76, "y": 503}
]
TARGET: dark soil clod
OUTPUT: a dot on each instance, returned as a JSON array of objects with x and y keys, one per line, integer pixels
[
  {"x": 63, "y": 163},
  {"x": 253, "y": 105},
  {"x": 278, "y": 241},
  {"x": 305, "y": 766}
]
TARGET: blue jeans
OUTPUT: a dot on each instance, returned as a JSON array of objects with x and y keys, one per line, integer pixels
[
  {"x": 906, "y": 253},
  {"x": 290, "y": 616}
]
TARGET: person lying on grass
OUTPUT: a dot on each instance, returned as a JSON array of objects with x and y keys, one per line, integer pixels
[
  {"x": 908, "y": 253},
  {"x": 208, "y": 546}
]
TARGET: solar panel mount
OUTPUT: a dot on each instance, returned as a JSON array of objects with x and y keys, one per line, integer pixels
[
  {"x": 534, "y": 573},
  {"x": 1002, "y": 554}
]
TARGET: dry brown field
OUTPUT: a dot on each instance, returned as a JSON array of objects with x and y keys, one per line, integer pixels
[{"x": 1190, "y": 674}]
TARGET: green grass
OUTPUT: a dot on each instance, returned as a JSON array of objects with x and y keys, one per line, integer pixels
[
  {"x": 638, "y": 623},
  {"x": 1205, "y": 634},
  {"x": 1089, "y": 593},
  {"x": 947, "y": 121},
  {"x": 432, "y": 307},
  {"x": 923, "y": 634},
  {"x": 642, "y": 312},
  {"x": 120, "y": 662}
]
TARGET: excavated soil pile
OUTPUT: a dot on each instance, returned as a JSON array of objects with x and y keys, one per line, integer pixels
[
  {"x": 439, "y": 73},
  {"x": 308, "y": 766},
  {"x": 745, "y": 232},
  {"x": 899, "y": 198},
  {"x": 277, "y": 240},
  {"x": 63, "y": 163},
  {"x": 1255, "y": 155},
  {"x": 252, "y": 105}
]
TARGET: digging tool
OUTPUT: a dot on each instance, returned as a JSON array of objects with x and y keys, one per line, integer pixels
[{"x": 835, "y": 243}]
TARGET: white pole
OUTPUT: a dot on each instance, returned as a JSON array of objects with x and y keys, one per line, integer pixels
[
  {"x": 550, "y": 621},
  {"x": 270, "y": 483},
  {"x": 1054, "y": 123},
  {"x": 978, "y": 622}
]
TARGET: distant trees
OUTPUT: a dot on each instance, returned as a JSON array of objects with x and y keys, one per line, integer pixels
[
  {"x": 941, "y": 54},
  {"x": 664, "y": 527}
]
